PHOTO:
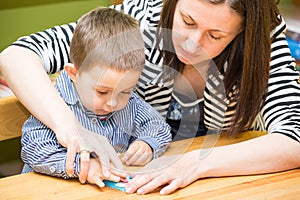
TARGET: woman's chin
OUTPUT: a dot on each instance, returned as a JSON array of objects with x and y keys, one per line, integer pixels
[
  {"x": 194, "y": 61},
  {"x": 184, "y": 60}
]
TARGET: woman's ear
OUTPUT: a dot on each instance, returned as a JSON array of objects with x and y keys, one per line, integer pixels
[{"x": 71, "y": 71}]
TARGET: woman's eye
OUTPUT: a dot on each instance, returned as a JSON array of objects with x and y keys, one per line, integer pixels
[
  {"x": 187, "y": 21},
  {"x": 214, "y": 37}
]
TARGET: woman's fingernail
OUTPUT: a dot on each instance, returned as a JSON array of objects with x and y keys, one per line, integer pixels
[
  {"x": 140, "y": 191},
  {"x": 128, "y": 190},
  {"x": 107, "y": 173},
  {"x": 162, "y": 192},
  {"x": 82, "y": 181}
]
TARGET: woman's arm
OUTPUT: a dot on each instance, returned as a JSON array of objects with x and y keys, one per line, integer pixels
[
  {"x": 265, "y": 154},
  {"x": 27, "y": 78}
]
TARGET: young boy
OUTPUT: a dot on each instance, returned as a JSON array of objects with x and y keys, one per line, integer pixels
[{"x": 107, "y": 58}]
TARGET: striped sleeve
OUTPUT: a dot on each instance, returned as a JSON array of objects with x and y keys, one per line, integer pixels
[
  {"x": 151, "y": 128},
  {"x": 282, "y": 106},
  {"x": 145, "y": 11},
  {"x": 51, "y": 45},
  {"x": 41, "y": 151}
]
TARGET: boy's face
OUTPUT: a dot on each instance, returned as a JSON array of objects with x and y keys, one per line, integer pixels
[{"x": 103, "y": 91}]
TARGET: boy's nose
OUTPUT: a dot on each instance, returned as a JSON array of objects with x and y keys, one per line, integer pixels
[{"x": 112, "y": 103}]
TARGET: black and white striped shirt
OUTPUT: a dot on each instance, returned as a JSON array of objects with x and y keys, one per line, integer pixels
[{"x": 280, "y": 114}]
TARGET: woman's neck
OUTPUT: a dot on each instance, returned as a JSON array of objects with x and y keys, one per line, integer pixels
[{"x": 192, "y": 81}]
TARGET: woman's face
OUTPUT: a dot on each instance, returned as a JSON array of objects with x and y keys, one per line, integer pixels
[{"x": 202, "y": 30}]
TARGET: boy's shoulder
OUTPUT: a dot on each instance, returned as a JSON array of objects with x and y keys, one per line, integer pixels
[
  {"x": 65, "y": 88},
  {"x": 135, "y": 97}
]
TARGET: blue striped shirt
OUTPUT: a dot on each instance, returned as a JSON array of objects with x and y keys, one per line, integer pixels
[{"x": 41, "y": 152}]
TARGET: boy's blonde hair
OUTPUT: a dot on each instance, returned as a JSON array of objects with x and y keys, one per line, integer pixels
[{"x": 108, "y": 38}]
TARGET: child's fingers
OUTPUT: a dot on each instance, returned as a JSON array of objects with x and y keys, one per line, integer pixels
[
  {"x": 119, "y": 173},
  {"x": 114, "y": 178},
  {"x": 115, "y": 160},
  {"x": 132, "y": 159},
  {"x": 140, "y": 157},
  {"x": 129, "y": 156},
  {"x": 99, "y": 182},
  {"x": 113, "y": 174},
  {"x": 144, "y": 159}
]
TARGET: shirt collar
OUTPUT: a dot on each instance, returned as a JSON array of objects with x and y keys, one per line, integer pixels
[{"x": 65, "y": 87}]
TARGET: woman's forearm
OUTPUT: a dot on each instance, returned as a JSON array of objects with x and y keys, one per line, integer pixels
[
  {"x": 266, "y": 154},
  {"x": 27, "y": 78}
]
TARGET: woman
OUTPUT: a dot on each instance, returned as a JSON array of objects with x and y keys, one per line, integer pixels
[{"x": 239, "y": 36}]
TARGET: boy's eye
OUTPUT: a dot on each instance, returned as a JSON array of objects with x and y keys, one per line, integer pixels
[
  {"x": 126, "y": 92},
  {"x": 102, "y": 92}
]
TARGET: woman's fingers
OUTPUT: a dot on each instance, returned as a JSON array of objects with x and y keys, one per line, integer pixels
[
  {"x": 101, "y": 148},
  {"x": 142, "y": 183},
  {"x": 71, "y": 153},
  {"x": 84, "y": 165},
  {"x": 174, "y": 185},
  {"x": 115, "y": 159},
  {"x": 138, "y": 158}
]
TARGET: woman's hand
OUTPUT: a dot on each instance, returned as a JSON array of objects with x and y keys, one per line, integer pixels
[
  {"x": 102, "y": 150},
  {"x": 164, "y": 171},
  {"x": 138, "y": 153},
  {"x": 187, "y": 168}
]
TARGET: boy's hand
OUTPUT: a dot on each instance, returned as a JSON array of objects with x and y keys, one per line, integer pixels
[
  {"x": 138, "y": 153},
  {"x": 96, "y": 176}
]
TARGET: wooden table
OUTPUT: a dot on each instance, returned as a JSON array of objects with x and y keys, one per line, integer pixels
[{"x": 281, "y": 186}]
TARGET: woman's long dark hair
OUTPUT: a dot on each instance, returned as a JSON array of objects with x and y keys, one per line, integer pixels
[{"x": 247, "y": 56}]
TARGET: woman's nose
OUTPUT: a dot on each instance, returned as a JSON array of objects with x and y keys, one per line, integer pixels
[{"x": 193, "y": 43}]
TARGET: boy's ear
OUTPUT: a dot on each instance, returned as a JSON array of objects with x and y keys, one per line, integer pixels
[{"x": 71, "y": 71}]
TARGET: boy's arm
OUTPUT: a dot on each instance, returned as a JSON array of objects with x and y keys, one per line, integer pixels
[
  {"x": 42, "y": 152},
  {"x": 152, "y": 128}
]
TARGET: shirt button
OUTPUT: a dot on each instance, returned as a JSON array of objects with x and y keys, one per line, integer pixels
[
  {"x": 52, "y": 169},
  {"x": 94, "y": 120}
]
